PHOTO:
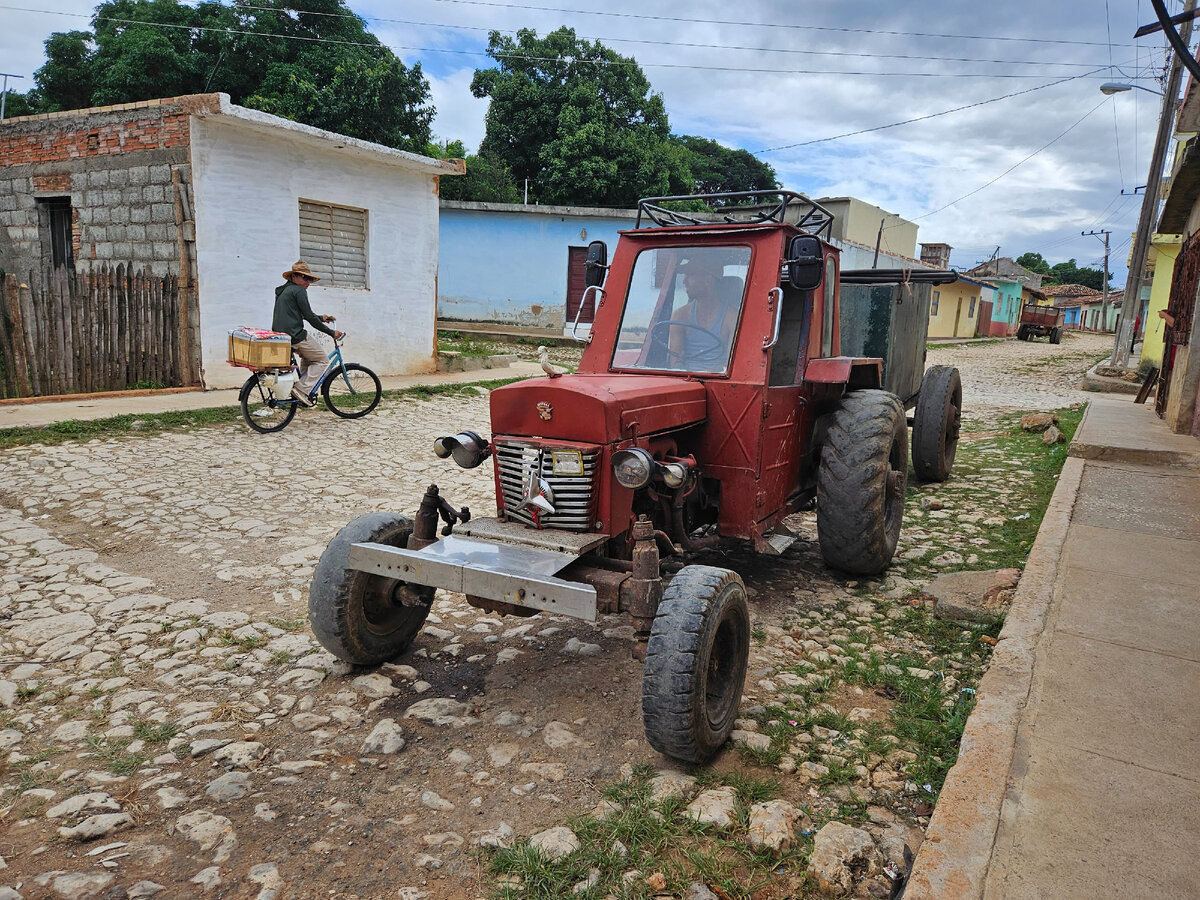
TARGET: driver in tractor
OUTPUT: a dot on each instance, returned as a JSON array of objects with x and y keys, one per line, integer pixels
[{"x": 709, "y": 316}]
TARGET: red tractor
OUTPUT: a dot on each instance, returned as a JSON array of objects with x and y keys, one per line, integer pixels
[{"x": 710, "y": 403}]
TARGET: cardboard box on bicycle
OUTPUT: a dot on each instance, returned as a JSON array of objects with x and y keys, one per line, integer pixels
[{"x": 258, "y": 348}]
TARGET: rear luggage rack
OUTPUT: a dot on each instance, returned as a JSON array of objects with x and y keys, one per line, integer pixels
[{"x": 740, "y": 208}]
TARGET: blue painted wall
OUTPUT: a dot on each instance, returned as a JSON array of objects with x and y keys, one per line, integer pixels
[{"x": 507, "y": 264}]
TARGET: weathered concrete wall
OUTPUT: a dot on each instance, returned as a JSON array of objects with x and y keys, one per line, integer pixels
[
  {"x": 115, "y": 164},
  {"x": 507, "y": 264},
  {"x": 248, "y": 184}
]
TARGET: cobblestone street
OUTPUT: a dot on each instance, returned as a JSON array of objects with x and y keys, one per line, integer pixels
[{"x": 171, "y": 728}]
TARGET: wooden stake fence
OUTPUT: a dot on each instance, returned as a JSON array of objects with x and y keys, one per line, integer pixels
[{"x": 107, "y": 329}]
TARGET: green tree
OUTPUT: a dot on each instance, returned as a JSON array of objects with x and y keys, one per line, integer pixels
[
  {"x": 577, "y": 119},
  {"x": 487, "y": 179},
  {"x": 1069, "y": 273},
  {"x": 309, "y": 60},
  {"x": 1034, "y": 263},
  {"x": 716, "y": 168}
]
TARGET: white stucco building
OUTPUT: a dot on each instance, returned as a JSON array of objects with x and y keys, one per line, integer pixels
[{"x": 223, "y": 199}]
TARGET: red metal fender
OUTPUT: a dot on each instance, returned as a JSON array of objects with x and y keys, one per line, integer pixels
[{"x": 847, "y": 370}]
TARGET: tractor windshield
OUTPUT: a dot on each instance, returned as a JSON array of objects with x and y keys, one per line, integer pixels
[{"x": 682, "y": 309}]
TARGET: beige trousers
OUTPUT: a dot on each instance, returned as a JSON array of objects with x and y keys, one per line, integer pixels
[{"x": 313, "y": 357}]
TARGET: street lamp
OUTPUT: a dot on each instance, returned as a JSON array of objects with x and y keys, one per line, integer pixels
[{"x": 1116, "y": 87}]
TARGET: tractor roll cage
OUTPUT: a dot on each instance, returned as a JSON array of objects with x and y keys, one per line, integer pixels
[{"x": 747, "y": 208}]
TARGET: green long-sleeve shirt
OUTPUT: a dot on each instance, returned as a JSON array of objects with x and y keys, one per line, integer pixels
[{"x": 292, "y": 311}]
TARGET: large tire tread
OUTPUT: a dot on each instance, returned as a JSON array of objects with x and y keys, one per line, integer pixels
[
  {"x": 936, "y": 423},
  {"x": 700, "y": 604},
  {"x": 852, "y": 482}
]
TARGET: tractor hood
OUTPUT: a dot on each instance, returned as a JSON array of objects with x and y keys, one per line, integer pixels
[{"x": 597, "y": 409}]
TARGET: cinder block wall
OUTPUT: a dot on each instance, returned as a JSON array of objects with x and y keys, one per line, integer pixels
[{"x": 114, "y": 163}]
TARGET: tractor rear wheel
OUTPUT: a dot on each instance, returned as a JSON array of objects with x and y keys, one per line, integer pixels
[
  {"x": 861, "y": 482},
  {"x": 360, "y": 617},
  {"x": 696, "y": 663},
  {"x": 936, "y": 423}
]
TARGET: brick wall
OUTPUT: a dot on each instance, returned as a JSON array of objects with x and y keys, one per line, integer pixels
[{"x": 114, "y": 163}]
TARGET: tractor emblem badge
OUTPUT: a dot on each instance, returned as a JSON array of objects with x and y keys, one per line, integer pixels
[{"x": 545, "y": 410}]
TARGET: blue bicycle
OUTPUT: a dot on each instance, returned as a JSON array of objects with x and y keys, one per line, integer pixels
[{"x": 348, "y": 389}]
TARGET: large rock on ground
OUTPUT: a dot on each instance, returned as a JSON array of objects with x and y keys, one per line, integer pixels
[
  {"x": 773, "y": 824},
  {"x": 973, "y": 596},
  {"x": 843, "y": 856},
  {"x": 555, "y": 842}
]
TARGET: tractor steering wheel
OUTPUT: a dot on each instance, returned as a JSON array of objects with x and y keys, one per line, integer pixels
[{"x": 707, "y": 350}]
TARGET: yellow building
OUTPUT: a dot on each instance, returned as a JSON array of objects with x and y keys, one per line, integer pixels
[
  {"x": 1164, "y": 248},
  {"x": 954, "y": 308}
]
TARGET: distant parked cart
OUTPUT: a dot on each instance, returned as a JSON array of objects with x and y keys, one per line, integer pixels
[{"x": 1040, "y": 321}]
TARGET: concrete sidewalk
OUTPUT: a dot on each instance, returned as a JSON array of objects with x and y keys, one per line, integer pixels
[
  {"x": 1079, "y": 773},
  {"x": 47, "y": 412}
]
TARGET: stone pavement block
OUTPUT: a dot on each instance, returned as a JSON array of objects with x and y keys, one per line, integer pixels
[
  {"x": 1156, "y": 558},
  {"x": 1130, "y": 704},
  {"x": 1132, "y": 611},
  {"x": 1151, "y": 501},
  {"x": 1131, "y": 834}
]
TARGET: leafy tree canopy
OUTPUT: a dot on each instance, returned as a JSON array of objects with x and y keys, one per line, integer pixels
[
  {"x": 716, "y": 168},
  {"x": 309, "y": 60},
  {"x": 581, "y": 123},
  {"x": 487, "y": 180},
  {"x": 1065, "y": 272}
]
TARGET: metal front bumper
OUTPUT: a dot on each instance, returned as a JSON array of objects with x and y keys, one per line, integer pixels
[{"x": 520, "y": 574}]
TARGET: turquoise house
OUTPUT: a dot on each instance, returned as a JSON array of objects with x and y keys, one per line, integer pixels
[
  {"x": 519, "y": 265},
  {"x": 1010, "y": 281}
]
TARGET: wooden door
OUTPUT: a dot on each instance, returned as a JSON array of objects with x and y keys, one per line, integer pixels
[{"x": 576, "y": 269}]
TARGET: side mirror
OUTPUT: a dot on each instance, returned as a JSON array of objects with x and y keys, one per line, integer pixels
[
  {"x": 805, "y": 262},
  {"x": 597, "y": 264}
]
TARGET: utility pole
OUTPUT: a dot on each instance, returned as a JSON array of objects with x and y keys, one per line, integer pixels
[
  {"x": 1104, "y": 279},
  {"x": 4, "y": 91},
  {"x": 1146, "y": 222}
]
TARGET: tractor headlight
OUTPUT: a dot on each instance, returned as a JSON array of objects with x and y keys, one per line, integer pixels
[
  {"x": 672, "y": 474},
  {"x": 467, "y": 448},
  {"x": 633, "y": 467}
]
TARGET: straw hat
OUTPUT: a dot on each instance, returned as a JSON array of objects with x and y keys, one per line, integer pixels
[{"x": 299, "y": 267}]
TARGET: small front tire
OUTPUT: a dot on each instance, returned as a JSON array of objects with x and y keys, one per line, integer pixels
[
  {"x": 359, "y": 617},
  {"x": 351, "y": 394},
  {"x": 696, "y": 663}
]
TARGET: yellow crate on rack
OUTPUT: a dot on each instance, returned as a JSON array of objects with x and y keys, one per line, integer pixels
[{"x": 257, "y": 348}]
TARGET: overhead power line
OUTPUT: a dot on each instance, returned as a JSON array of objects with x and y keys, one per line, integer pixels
[
  {"x": 691, "y": 20},
  {"x": 768, "y": 70},
  {"x": 1015, "y": 165},
  {"x": 935, "y": 115},
  {"x": 689, "y": 44}
]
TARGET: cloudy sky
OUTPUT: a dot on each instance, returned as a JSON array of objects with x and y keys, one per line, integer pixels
[{"x": 1033, "y": 155}]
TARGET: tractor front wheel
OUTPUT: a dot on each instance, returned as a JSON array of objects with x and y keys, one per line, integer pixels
[
  {"x": 695, "y": 663},
  {"x": 861, "y": 483},
  {"x": 359, "y": 617}
]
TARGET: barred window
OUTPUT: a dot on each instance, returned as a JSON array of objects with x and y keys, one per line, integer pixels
[{"x": 333, "y": 240}]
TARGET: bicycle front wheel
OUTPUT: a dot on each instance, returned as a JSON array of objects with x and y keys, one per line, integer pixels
[
  {"x": 351, "y": 392},
  {"x": 260, "y": 408}
]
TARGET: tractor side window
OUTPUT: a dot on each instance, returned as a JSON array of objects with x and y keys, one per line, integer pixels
[
  {"x": 793, "y": 335},
  {"x": 682, "y": 308},
  {"x": 829, "y": 285}
]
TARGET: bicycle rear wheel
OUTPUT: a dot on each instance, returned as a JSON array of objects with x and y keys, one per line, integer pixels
[
  {"x": 260, "y": 408},
  {"x": 352, "y": 392}
]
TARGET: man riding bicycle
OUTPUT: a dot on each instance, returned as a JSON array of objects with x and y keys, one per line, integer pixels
[{"x": 291, "y": 312}]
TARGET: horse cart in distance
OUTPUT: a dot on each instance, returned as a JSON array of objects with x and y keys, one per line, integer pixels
[{"x": 712, "y": 400}]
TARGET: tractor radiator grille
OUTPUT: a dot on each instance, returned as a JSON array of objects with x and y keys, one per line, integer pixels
[{"x": 574, "y": 495}]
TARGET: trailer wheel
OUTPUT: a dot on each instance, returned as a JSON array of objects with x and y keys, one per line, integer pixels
[
  {"x": 696, "y": 663},
  {"x": 362, "y": 618},
  {"x": 1022, "y": 333},
  {"x": 861, "y": 482},
  {"x": 936, "y": 423},
  {"x": 1056, "y": 336}
]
